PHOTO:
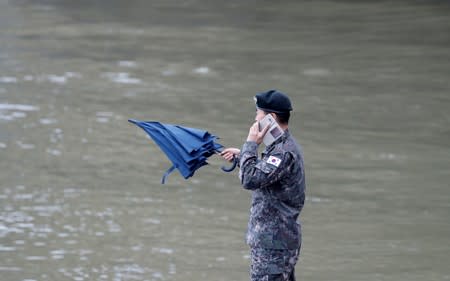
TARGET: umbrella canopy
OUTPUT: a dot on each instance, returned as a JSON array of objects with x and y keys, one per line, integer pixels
[{"x": 187, "y": 148}]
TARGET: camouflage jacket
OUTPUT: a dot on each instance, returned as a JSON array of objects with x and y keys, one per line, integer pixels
[{"x": 277, "y": 182}]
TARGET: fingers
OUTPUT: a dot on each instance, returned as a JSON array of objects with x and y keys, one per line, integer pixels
[
  {"x": 226, "y": 150},
  {"x": 255, "y": 127},
  {"x": 255, "y": 135},
  {"x": 253, "y": 132},
  {"x": 229, "y": 153},
  {"x": 228, "y": 156},
  {"x": 264, "y": 131},
  {"x": 231, "y": 150}
]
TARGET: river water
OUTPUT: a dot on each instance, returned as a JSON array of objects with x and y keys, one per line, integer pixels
[{"x": 80, "y": 197}]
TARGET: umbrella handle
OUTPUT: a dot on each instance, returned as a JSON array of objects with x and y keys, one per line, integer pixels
[{"x": 232, "y": 167}]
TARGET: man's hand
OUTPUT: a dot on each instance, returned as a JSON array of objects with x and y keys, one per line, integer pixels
[
  {"x": 229, "y": 153},
  {"x": 255, "y": 135}
]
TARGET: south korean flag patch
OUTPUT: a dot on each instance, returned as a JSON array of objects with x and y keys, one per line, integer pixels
[{"x": 274, "y": 161}]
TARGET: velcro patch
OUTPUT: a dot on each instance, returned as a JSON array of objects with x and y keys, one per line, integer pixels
[{"x": 274, "y": 161}]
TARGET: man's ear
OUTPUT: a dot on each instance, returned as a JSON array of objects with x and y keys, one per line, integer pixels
[{"x": 274, "y": 115}]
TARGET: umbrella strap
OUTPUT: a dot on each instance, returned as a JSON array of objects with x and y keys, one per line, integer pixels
[{"x": 167, "y": 173}]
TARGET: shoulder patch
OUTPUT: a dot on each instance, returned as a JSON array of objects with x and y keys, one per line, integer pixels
[{"x": 274, "y": 161}]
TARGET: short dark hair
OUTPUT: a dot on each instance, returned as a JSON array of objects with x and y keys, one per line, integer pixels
[{"x": 282, "y": 117}]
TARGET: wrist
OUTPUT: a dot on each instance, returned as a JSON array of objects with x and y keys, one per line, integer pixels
[{"x": 249, "y": 146}]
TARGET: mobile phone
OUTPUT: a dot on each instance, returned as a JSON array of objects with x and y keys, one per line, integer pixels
[{"x": 274, "y": 132}]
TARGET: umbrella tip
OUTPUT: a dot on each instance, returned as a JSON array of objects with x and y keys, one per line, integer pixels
[{"x": 132, "y": 121}]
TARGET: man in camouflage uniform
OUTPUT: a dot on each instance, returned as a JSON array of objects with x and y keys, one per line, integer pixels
[{"x": 277, "y": 182}]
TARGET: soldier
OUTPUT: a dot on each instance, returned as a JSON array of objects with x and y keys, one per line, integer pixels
[{"x": 277, "y": 182}]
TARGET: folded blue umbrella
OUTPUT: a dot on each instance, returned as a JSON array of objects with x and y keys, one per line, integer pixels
[{"x": 187, "y": 148}]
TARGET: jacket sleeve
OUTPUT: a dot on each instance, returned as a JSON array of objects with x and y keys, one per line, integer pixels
[{"x": 257, "y": 173}]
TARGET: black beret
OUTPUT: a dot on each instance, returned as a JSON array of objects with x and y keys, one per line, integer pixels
[{"x": 273, "y": 101}]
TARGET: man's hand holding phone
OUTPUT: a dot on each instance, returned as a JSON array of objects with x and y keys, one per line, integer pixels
[{"x": 254, "y": 134}]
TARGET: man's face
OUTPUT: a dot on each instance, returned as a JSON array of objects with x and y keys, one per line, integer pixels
[{"x": 259, "y": 115}]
